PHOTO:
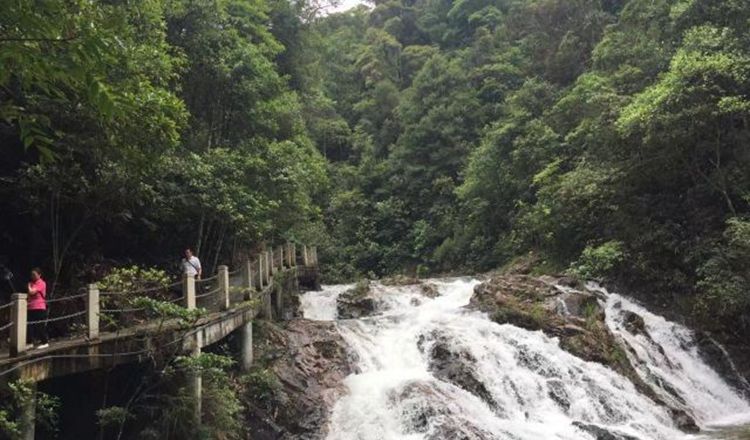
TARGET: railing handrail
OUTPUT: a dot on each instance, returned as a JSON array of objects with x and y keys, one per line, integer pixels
[{"x": 256, "y": 272}]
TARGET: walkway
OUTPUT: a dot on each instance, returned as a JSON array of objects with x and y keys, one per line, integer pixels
[{"x": 103, "y": 329}]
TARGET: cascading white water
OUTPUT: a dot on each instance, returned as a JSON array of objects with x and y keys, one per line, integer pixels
[
  {"x": 321, "y": 306},
  {"x": 531, "y": 388},
  {"x": 667, "y": 358}
]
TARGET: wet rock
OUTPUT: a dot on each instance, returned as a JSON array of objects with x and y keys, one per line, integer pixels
[
  {"x": 400, "y": 280},
  {"x": 634, "y": 323},
  {"x": 356, "y": 302},
  {"x": 581, "y": 305},
  {"x": 303, "y": 365},
  {"x": 572, "y": 330},
  {"x": 600, "y": 433},
  {"x": 734, "y": 371},
  {"x": 454, "y": 365},
  {"x": 429, "y": 290},
  {"x": 556, "y": 392},
  {"x": 575, "y": 317},
  {"x": 569, "y": 282},
  {"x": 518, "y": 318},
  {"x": 426, "y": 410},
  {"x": 684, "y": 421}
]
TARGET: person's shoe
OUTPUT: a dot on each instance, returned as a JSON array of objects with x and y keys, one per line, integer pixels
[{"x": 39, "y": 347}]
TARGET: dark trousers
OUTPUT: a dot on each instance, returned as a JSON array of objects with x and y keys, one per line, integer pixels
[{"x": 37, "y": 330}]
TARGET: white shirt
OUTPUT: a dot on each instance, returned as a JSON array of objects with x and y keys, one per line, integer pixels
[{"x": 191, "y": 266}]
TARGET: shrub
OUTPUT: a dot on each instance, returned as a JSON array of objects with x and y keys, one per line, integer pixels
[
  {"x": 724, "y": 279},
  {"x": 18, "y": 395},
  {"x": 598, "y": 261},
  {"x": 261, "y": 386},
  {"x": 127, "y": 286}
]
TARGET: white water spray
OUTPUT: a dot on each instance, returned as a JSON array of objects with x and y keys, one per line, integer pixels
[
  {"x": 531, "y": 388},
  {"x": 667, "y": 358}
]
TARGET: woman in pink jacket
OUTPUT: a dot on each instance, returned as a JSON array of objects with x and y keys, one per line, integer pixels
[{"x": 37, "y": 306}]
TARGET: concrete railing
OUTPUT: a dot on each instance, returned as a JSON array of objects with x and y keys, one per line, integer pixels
[{"x": 255, "y": 275}]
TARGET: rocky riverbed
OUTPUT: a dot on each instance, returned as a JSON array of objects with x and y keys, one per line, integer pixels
[{"x": 511, "y": 357}]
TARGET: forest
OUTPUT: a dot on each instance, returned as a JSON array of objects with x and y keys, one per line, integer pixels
[
  {"x": 608, "y": 139},
  {"x": 603, "y": 138}
]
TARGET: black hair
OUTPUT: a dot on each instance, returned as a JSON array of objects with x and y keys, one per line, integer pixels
[{"x": 37, "y": 270}]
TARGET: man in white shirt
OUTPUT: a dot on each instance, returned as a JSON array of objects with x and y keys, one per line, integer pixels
[{"x": 191, "y": 265}]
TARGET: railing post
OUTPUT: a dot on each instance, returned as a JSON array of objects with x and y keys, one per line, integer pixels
[
  {"x": 92, "y": 311},
  {"x": 294, "y": 254},
  {"x": 314, "y": 255},
  {"x": 305, "y": 258},
  {"x": 188, "y": 291},
  {"x": 224, "y": 287},
  {"x": 18, "y": 330},
  {"x": 282, "y": 256}
]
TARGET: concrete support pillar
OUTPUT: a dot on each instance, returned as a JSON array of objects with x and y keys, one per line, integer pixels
[
  {"x": 288, "y": 254},
  {"x": 246, "y": 346},
  {"x": 268, "y": 306},
  {"x": 18, "y": 315},
  {"x": 314, "y": 256},
  {"x": 269, "y": 271},
  {"x": 272, "y": 261},
  {"x": 305, "y": 258},
  {"x": 224, "y": 298},
  {"x": 294, "y": 254},
  {"x": 279, "y": 306},
  {"x": 247, "y": 278},
  {"x": 195, "y": 383},
  {"x": 92, "y": 312},
  {"x": 259, "y": 262},
  {"x": 188, "y": 291},
  {"x": 28, "y": 415},
  {"x": 280, "y": 256}
]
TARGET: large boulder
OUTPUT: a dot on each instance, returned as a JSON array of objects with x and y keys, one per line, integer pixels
[
  {"x": 454, "y": 365},
  {"x": 356, "y": 302},
  {"x": 565, "y": 309},
  {"x": 734, "y": 368},
  {"x": 299, "y": 373},
  {"x": 634, "y": 323},
  {"x": 600, "y": 433},
  {"x": 684, "y": 421},
  {"x": 426, "y": 410}
]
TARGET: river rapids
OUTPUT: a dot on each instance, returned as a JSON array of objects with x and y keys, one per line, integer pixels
[{"x": 538, "y": 390}]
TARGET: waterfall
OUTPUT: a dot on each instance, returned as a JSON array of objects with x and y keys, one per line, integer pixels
[
  {"x": 430, "y": 369},
  {"x": 666, "y": 357},
  {"x": 321, "y": 306}
]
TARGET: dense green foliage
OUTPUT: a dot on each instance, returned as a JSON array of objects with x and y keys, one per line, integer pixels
[
  {"x": 132, "y": 129},
  {"x": 15, "y": 397},
  {"x": 608, "y": 138},
  {"x": 605, "y": 138}
]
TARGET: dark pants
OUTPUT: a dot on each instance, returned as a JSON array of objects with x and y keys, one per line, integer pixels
[{"x": 37, "y": 330}]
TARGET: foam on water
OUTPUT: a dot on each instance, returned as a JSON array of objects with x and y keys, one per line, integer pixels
[
  {"x": 538, "y": 389},
  {"x": 667, "y": 358},
  {"x": 321, "y": 306}
]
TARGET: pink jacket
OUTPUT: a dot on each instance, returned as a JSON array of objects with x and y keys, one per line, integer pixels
[{"x": 38, "y": 301}]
